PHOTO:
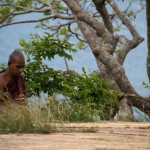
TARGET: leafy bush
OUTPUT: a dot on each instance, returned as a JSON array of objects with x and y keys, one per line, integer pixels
[
  {"x": 39, "y": 77},
  {"x": 87, "y": 97},
  {"x": 3, "y": 67},
  {"x": 90, "y": 91},
  {"x": 84, "y": 97},
  {"x": 146, "y": 85},
  {"x": 80, "y": 90}
]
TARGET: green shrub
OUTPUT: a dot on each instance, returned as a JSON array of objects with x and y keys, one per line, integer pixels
[
  {"x": 40, "y": 49},
  {"x": 87, "y": 97},
  {"x": 92, "y": 92},
  {"x": 79, "y": 111},
  {"x": 3, "y": 66}
]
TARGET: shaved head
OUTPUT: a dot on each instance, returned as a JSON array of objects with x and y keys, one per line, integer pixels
[
  {"x": 16, "y": 63},
  {"x": 15, "y": 55}
]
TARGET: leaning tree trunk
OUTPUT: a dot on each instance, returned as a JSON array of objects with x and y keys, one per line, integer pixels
[
  {"x": 103, "y": 50},
  {"x": 148, "y": 36},
  {"x": 125, "y": 111}
]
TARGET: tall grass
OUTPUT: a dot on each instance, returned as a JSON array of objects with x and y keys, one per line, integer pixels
[
  {"x": 37, "y": 118},
  {"x": 64, "y": 111},
  {"x": 20, "y": 118},
  {"x": 16, "y": 118}
]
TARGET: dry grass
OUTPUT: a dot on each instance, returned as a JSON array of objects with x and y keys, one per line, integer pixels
[{"x": 16, "y": 118}]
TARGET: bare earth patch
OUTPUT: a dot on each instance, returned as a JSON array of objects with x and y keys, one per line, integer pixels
[{"x": 84, "y": 136}]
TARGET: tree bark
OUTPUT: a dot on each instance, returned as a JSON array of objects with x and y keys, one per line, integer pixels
[
  {"x": 125, "y": 111},
  {"x": 101, "y": 51},
  {"x": 100, "y": 6},
  {"x": 148, "y": 36}
]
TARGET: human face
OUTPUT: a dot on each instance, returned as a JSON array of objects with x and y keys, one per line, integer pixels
[{"x": 17, "y": 66}]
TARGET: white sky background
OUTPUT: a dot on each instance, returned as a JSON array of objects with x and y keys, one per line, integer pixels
[{"x": 135, "y": 63}]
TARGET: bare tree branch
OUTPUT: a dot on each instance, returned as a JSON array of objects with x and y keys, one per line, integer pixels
[
  {"x": 100, "y": 51},
  {"x": 38, "y": 20},
  {"x": 127, "y": 44},
  {"x": 76, "y": 34},
  {"x": 2, "y": 5},
  {"x": 81, "y": 15},
  {"x": 125, "y": 21},
  {"x": 24, "y": 12},
  {"x": 100, "y": 6}
]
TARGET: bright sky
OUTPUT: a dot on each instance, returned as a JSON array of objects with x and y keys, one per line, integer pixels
[{"x": 135, "y": 64}]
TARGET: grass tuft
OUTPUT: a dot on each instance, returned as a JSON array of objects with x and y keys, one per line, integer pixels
[{"x": 16, "y": 118}]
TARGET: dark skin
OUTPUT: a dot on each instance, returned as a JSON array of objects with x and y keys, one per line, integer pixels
[{"x": 15, "y": 67}]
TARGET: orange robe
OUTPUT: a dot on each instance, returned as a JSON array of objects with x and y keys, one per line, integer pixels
[{"x": 16, "y": 87}]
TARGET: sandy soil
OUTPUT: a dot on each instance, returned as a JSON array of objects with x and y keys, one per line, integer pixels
[{"x": 90, "y": 136}]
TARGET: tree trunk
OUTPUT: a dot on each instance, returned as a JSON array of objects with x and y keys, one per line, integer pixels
[
  {"x": 125, "y": 111},
  {"x": 92, "y": 29},
  {"x": 148, "y": 36}
]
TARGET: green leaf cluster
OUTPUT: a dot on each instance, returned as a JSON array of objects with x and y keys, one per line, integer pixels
[
  {"x": 23, "y": 3},
  {"x": 146, "y": 85},
  {"x": 87, "y": 92},
  {"x": 46, "y": 47},
  {"x": 3, "y": 66},
  {"x": 39, "y": 77},
  {"x": 4, "y": 12},
  {"x": 91, "y": 89}
]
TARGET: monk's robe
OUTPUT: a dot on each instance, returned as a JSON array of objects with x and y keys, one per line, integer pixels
[{"x": 16, "y": 87}]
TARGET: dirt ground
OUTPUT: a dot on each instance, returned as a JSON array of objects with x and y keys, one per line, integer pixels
[{"x": 86, "y": 136}]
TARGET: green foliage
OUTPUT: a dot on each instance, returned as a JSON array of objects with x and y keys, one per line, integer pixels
[
  {"x": 63, "y": 31},
  {"x": 4, "y": 11},
  {"x": 146, "y": 85},
  {"x": 90, "y": 89},
  {"x": 39, "y": 77},
  {"x": 80, "y": 45},
  {"x": 3, "y": 66},
  {"x": 118, "y": 28},
  {"x": 87, "y": 98},
  {"x": 87, "y": 95},
  {"x": 131, "y": 14},
  {"x": 23, "y": 3},
  {"x": 80, "y": 90},
  {"x": 46, "y": 47},
  {"x": 118, "y": 51},
  {"x": 9, "y": 7}
]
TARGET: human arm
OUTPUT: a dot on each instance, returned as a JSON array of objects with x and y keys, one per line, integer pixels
[{"x": 1, "y": 92}]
